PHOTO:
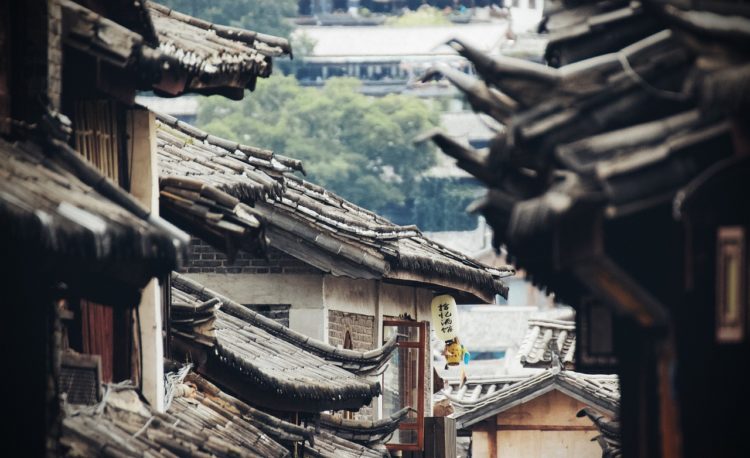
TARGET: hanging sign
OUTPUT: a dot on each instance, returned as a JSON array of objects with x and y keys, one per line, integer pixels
[
  {"x": 455, "y": 353},
  {"x": 445, "y": 317}
]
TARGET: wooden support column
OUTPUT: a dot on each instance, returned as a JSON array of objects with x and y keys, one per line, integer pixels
[
  {"x": 492, "y": 436},
  {"x": 440, "y": 437},
  {"x": 378, "y": 340},
  {"x": 144, "y": 186},
  {"x": 669, "y": 414}
]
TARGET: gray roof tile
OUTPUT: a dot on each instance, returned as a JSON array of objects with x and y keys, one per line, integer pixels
[
  {"x": 477, "y": 400},
  {"x": 311, "y": 223},
  {"x": 201, "y": 420},
  {"x": 274, "y": 358},
  {"x": 544, "y": 337}
]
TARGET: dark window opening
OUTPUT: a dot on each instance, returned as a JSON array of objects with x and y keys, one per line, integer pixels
[{"x": 276, "y": 312}]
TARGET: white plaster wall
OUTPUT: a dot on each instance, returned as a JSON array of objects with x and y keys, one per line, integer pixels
[
  {"x": 304, "y": 292},
  {"x": 373, "y": 298},
  {"x": 424, "y": 304},
  {"x": 350, "y": 295},
  {"x": 397, "y": 299},
  {"x": 310, "y": 322}
]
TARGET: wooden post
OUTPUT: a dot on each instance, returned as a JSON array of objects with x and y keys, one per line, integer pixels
[
  {"x": 439, "y": 437},
  {"x": 668, "y": 407},
  {"x": 144, "y": 186},
  {"x": 492, "y": 436}
]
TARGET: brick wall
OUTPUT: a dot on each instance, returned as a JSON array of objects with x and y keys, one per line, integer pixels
[
  {"x": 203, "y": 258},
  {"x": 361, "y": 328},
  {"x": 277, "y": 312}
]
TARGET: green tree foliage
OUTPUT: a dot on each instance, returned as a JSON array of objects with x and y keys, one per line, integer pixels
[
  {"x": 266, "y": 16},
  {"x": 357, "y": 146},
  {"x": 440, "y": 203},
  {"x": 423, "y": 16}
]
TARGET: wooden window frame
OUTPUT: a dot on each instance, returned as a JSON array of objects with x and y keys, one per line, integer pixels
[
  {"x": 420, "y": 345},
  {"x": 587, "y": 356},
  {"x": 730, "y": 244}
]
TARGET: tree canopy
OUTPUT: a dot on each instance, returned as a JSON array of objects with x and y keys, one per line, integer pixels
[
  {"x": 423, "y": 16},
  {"x": 359, "y": 147},
  {"x": 266, "y": 16}
]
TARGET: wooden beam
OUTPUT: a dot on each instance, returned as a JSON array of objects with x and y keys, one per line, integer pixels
[{"x": 545, "y": 428}]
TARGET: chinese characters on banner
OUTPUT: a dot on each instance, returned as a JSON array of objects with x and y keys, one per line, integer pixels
[{"x": 445, "y": 317}]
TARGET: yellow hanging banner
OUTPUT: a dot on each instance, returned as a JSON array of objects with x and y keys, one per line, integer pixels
[{"x": 445, "y": 317}]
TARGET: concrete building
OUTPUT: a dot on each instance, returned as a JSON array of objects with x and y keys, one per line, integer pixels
[{"x": 390, "y": 59}]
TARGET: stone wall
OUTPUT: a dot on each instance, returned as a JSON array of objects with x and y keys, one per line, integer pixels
[{"x": 204, "y": 258}]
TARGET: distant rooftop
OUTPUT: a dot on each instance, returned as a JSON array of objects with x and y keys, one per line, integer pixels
[
  {"x": 179, "y": 107},
  {"x": 380, "y": 41}
]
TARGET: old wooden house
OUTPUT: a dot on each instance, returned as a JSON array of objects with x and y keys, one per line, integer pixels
[
  {"x": 533, "y": 415},
  {"x": 284, "y": 373},
  {"x": 617, "y": 185},
  {"x": 200, "y": 420},
  {"x": 331, "y": 270},
  {"x": 81, "y": 231},
  {"x": 543, "y": 409}
]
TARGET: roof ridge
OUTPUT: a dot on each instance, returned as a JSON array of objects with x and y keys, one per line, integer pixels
[
  {"x": 371, "y": 360},
  {"x": 603, "y": 397},
  {"x": 357, "y": 243},
  {"x": 224, "y": 31}
]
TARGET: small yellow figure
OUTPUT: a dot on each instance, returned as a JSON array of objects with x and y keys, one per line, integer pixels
[{"x": 455, "y": 353}]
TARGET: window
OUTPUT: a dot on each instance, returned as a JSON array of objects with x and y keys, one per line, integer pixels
[
  {"x": 730, "y": 285},
  {"x": 595, "y": 332},
  {"x": 97, "y": 134},
  {"x": 276, "y": 312},
  {"x": 404, "y": 382}
]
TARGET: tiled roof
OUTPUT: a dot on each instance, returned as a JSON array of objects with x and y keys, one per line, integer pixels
[
  {"x": 54, "y": 204},
  {"x": 367, "y": 432},
  {"x": 193, "y": 426},
  {"x": 188, "y": 55},
  {"x": 329, "y": 445},
  {"x": 609, "y": 438},
  {"x": 201, "y": 421},
  {"x": 592, "y": 28},
  {"x": 628, "y": 119},
  {"x": 214, "y": 55},
  {"x": 213, "y": 215},
  {"x": 316, "y": 442},
  {"x": 545, "y": 337},
  {"x": 312, "y": 224},
  {"x": 598, "y": 391},
  {"x": 475, "y": 390},
  {"x": 289, "y": 368}
]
